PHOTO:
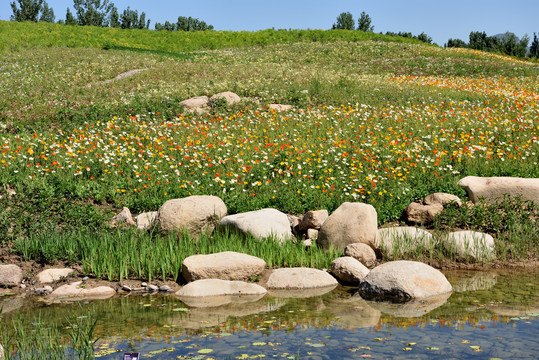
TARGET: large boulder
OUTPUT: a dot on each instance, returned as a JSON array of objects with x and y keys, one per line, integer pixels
[
  {"x": 348, "y": 270},
  {"x": 298, "y": 279},
  {"x": 217, "y": 292},
  {"x": 10, "y": 275},
  {"x": 226, "y": 265},
  {"x": 493, "y": 189},
  {"x": 52, "y": 275},
  {"x": 470, "y": 245},
  {"x": 362, "y": 253},
  {"x": 350, "y": 223},
  {"x": 404, "y": 281},
  {"x": 195, "y": 214},
  {"x": 395, "y": 241},
  {"x": 228, "y": 96},
  {"x": 79, "y": 291},
  {"x": 261, "y": 224}
]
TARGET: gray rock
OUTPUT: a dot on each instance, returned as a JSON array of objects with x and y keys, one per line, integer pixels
[
  {"x": 165, "y": 288},
  {"x": 195, "y": 214},
  {"x": 151, "y": 288},
  {"x": 348, "y": 270},
  {"x": 10, "y": 275},
  {"x": 417, "y": 213},
  {"x": 404, "y": 281},
  {"x": 226, "y": 265},
  {"x": 216, "y": 292},
  {"x": 298, "y": 279},
  {"x": 144, "y": 284},
  {"x": 442, "y": 199},
  {"x": 51, "y": 275},
  {"x": 312, "y": 234},
  {"x": 362, "y": 253},
  {"x": 230, "y": 98},
  {"x": 197, "y": 104},
  {"x": 470, "y": 245},
  {"x": 396, "y": 241},
  {"x": 350, "y": 223},
  {"x": 123, "y": 217},
  {"x": 280, "y": 107},
  {"x": 146, "y": 220},
  {"x": 492, "y": 189},
  {"x": 86, "y": 278},
  {"x": 79, "y": 291},
  {"x": 261, "y": 224},
  {"x": 126, "y": 288},
  {"x": 313, "y": 220}
]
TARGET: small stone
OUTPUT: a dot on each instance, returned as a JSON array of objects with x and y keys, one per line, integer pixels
[
  {"x": 86, "y": 278},
  {"x": 151, "y": 288},
  {"x": 144, "y": 284},
  {"x": 312, "y": 234},
  {"x": 23, "y": 286},
  {"x": 10, "y": 275},
  {"x": 126, "y": 288},
  {"x": 165, "y": 288},
  {"x": 307, "y": 243},
  {"x": 123, "y": 217},
  {"x": 313, "y": 219},
  {"x": 362, "y": 253},
  {"x": 48, "y": 288}
]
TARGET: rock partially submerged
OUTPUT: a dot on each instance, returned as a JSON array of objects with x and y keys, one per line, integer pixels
[
  {"x": 78, "y": 290},
  {"x": 403, "y": 281},
  {"x": 228, "y": 265},
  {"x": 216, "y": 292},
  {"x": 298, "y": 282}
]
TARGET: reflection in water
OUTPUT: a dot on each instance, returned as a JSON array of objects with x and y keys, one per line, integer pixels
[{"x": 498, "y": 319}]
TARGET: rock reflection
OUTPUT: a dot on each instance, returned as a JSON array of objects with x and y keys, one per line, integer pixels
[
  {"x": 472, "y": 281},
  {"x": 413, "y": 308},
  {"x": 354, "y": 312}
]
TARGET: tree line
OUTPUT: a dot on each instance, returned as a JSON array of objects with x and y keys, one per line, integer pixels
[
  {"x": 101, "y": 13},
  {"x": 506, "y": 44},
  {"x": 345, "y": 21}
]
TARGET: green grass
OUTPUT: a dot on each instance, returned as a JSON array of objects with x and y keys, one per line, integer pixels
[
  {"x": 16, "y": 36},
  {"x": 377, "y": 120},
  {"x": 49, "y": 340}
]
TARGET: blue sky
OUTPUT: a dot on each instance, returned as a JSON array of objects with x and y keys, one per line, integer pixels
[{"x": 439, "y": 19}]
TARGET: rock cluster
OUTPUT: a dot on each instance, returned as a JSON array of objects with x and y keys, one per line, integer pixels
[{"x": 217, "y": 279}]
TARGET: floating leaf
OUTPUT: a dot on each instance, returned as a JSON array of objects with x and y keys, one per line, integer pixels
[
  {"x": 205, "y": 351},
  {"x": 259, "y": 344},
  {"x": 406, "y": 348},
  {"x": 465, "y": 341},
  {"x": 411, "y": 344},
  {"x": 180, "y": 309},
  {"x": 432, "y": 348}
]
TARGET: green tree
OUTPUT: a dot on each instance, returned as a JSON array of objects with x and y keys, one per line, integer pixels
[
  {"x": 364, "y": 23},
  {"x": 93, "y": 12},
  {"x": 345, "y": 21},
  {"x": 70, "y": 19},
  {"x": 191, "y": 24},
  {"x": 29, "y": 10},
  {"x": 456, "y": 43},
  {"x": 534, "y": 47},
  {"x": 47, "y": 14},
  {"x": 424, "y": 38},
  {"x": 114, "y": 18}
]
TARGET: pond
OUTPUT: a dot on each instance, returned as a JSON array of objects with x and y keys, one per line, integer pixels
[{"x": 490, "y": 315}]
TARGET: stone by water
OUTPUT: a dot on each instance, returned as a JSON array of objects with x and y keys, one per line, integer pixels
[{"x": 489, "y": 315}]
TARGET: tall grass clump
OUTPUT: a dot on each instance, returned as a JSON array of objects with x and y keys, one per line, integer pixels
[
  {"x": 123, "y": 254},
  {"x": 48, "y": 341}
]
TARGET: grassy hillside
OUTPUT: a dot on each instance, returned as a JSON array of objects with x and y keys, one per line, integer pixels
[
  {"x": 16, "y": 36},
  {"x": 380, "y": 122}
]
